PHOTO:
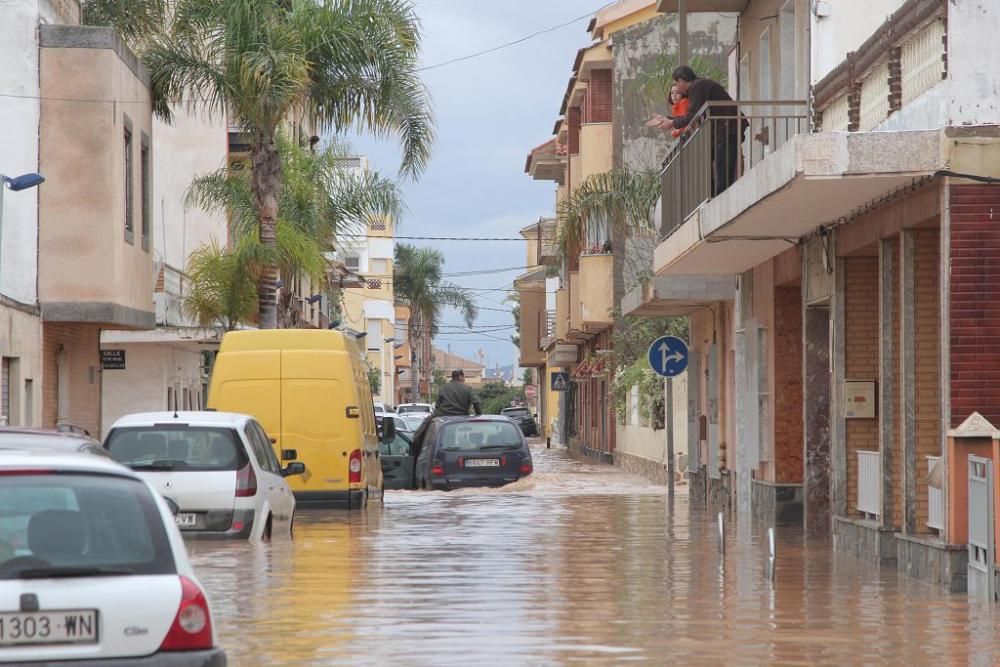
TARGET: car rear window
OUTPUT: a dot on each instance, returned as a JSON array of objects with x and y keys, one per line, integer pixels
[
  {"x": 61, "y": 524},
  {"x": 189, "y": 448},
  {"x": 413, "y": 408},
  {"x": 473, "y": 436},
  {"x": 515, "y": 412}
]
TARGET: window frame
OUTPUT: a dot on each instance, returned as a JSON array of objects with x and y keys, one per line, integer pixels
[{"x": 128, "y": 167}]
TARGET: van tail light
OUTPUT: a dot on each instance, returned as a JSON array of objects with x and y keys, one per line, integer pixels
[
  {"x": 192, "y": 627},
  {"x": 355, "y": 467},
  {"x": 246, "y": 482},
  {"x": 526, "y": 468},
  {"x": 437, "y": 469}
]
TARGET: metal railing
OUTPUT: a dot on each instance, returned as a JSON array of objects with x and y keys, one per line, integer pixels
[
  {"x": 869, "y": 489},
  {"x": 723, "y": 142},
  {"x": 935, "y": 496}
]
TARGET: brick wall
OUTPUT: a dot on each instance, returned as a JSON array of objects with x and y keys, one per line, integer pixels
[
  {"x": 82, "y": 345},
  {"x": 974, "y": 311},
  {"x": 573, "y": 118},
  {"x": 927, "y": 358},
  {"x": 599, "y": 97},
  {"x": 861, "y": 336},
  {"x": 788, "y": 435}
]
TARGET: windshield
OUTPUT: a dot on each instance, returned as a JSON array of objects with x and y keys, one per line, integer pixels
[
  {"x": 171, "y": 447},
  {"x": 516, "y": 412},
  {"x": 414, "y": 421},
  {"x": 413, "y": 408},
  {"x": 55, "y": 525},
  {"x": 473, "y": 436},
  {"x": 398, "y": 447}
]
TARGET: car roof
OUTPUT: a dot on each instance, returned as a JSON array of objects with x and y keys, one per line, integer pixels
[
  {"x": 50, "y": 459},
  {"x": 44, "y": 433},
  {"x": 470, "y": 419},
  {"x": 190, "y": 418}
]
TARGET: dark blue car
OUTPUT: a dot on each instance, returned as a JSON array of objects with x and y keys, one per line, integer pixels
[{"x": 461, "y": 452}]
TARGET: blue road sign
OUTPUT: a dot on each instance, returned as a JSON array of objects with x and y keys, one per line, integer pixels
[
  {"x": 668, "y": 356},
  {"x": 560, "y": 381}
]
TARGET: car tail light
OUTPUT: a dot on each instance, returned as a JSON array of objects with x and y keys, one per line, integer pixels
[
  {"x": 437, "y": 470},
  {"x": 355, "y": 467},
  {"x": 246, "y": 482},
  {"x": 192, "y": 627},
  {"x": 526, "y": 468},
  {"x": 461, "y": 461}
]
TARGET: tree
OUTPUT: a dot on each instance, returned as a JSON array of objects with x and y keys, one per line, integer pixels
[
  {"x": 131, "y": 19},
  {"x": 221, "y": 288},
  {"x": 418, "y": 281},
  {"x": 320, "y": 199},
  {"x": 515, "y": 310},
  {"x": 331, "y": 63}
]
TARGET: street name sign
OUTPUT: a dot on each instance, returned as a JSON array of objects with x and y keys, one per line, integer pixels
[
  {"x": 668, "y": 356},
  {"x": 112, "y": 360}
]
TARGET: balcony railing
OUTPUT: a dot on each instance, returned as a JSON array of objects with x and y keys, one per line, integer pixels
[
  {"x": 935, "y": 494},
  {"x": 723, "y": 142},
  {"x": 869, "y": 489}
]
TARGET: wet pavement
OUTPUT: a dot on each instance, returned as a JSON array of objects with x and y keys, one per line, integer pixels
[{"x": 578, "y": 564}]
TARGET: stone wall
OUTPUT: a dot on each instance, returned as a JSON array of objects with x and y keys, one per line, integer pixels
[
  {"x": 777, "y": 504},
  {"x": 864, "y": 540},
  {"x": 720, "y": 492},
  {"x": 933, "y": 561},
  {"x": 637, "y": 465},
  {"x": 697, "y": 480}
]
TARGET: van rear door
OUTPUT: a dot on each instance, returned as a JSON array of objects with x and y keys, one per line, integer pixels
[{"x": 314, "y": 398}]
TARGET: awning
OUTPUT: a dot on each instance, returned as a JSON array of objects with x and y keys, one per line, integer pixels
[
  {"x": 810, "y": 181},
  {"x": 678, "y": 295}
]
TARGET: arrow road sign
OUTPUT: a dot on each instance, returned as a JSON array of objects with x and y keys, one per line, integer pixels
[{"x": 668, "y": 356}]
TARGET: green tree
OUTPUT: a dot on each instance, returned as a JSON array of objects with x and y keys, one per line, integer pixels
[
  {"x": 320, "y": 199},
  {"x": 417, "y": 281},
  {"x": 131, "y": 19},
  {"x": 495, "y": 396},
  {"x": 222, "y": 291},
  {"x": 331, "y": 63},
  {"x": 374, "y": 378},
  {"x": 515, "y": 310}
]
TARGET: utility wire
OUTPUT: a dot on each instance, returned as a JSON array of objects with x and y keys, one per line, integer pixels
[{"x": 516, "y": 41}]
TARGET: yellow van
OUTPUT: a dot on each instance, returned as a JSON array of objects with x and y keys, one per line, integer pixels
[{"x": 309, "y": 389}]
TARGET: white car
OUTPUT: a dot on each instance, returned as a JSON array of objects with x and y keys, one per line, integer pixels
[
  {"x": 413, "y": 420},
  {"x": 404, "y": 408},
  {"x": 218, "y": 467},
  {"x": 93, "y": 570}
]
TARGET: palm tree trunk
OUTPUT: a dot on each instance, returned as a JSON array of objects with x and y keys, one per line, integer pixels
[
  {"x": 266, "y": 184},
  {"x": 416, "y": 343}
]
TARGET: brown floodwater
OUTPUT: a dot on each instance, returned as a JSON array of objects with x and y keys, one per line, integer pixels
[{"x": 578, "y": 564}]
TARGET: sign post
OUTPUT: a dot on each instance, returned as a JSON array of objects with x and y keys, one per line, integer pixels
[{"x": 668, "y": 357}]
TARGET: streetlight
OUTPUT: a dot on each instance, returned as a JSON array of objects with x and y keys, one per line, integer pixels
[{"x": 16, "y": 184}]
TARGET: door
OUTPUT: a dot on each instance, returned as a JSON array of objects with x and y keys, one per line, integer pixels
[
  {"x": 397, "y": 463},
  {"x": 279, "y": 497},
  {"x": 982, "y": 548}
]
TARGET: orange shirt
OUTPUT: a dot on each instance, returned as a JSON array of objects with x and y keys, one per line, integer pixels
[{"x": 679, "y": 109}]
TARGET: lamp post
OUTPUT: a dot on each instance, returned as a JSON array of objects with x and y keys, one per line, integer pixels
[{"x": 16, "y": 184}]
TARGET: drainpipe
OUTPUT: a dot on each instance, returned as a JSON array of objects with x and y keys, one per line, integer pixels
[{"x": 682, "y": 30}]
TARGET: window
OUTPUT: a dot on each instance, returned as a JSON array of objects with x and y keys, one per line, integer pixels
[
  {"x": 378, "y": 267},
  {"x": 170, "y": 398},
  {"x": 177, "y": 448},
  {"x": 374, "y": 283},
  {"x": 129, "y": 215},
  {"x": 268, "y": 449},
  {"x": 374, "y": 337},
  {"x": 145, "y": 192},
  {"x": 260, "y": 446},
  {"x": 5, "y": 392},
  {"x": 352, "y": 262}
]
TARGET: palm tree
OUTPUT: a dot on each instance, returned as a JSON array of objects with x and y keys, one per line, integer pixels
[
  {"x": 611, "y": 206},
  {"x": 131, "y": 19},
  {"x": 418, "y": 281},
  {"x": 320, "y": 200},
  {"x": 336, "y": 64},
  {"x": 221, "y": 288}
]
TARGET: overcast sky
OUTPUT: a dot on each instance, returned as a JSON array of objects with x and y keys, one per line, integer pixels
[{"x": 490, "y": 112}]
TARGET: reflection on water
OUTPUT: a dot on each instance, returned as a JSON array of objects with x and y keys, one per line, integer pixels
[{"x": 577, "y": 564}]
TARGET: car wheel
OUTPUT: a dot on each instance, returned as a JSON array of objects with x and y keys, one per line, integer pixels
[
  {"x": 291, "y": 526},
  {"x": 266, "y": 535}
]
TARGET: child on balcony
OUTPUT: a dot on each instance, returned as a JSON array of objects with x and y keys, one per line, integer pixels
[{"x": 679, "y": 105}]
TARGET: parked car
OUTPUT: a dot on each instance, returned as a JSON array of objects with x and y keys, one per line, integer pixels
[
  {"x": 381, "y": 411},
  {"x": 401, "y": 423},
  {"x": 92, "y": 568},
  {"x": 397, "y": 463},
  {"x": 413, "y": 420},
  {"x": 523, "y": 418},
  {"x": 404, "y": 408},
  {"x": 219, "y": 467},
  {"x": 488, "y": 450},
  {"x": 58, "y": 440}
]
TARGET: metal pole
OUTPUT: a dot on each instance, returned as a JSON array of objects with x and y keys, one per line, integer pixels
[
  {"x": 3, "y": 186},
  {"x": 722, "y": 533},
  {"x": 770, "y": 553},
  {"x": 668, "y": 399},
  {"x": 682, "y": 34}
]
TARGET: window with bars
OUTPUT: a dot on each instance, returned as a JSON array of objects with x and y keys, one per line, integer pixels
[
  {"x": 377, "y": 225},
  {"x": 5, "y": 391},
  {"x": 374, "y": 283},
  {"x": 352, "y": 262},
  {"x": 145, "y": 192},
  {"x": 127, "y": 165}
]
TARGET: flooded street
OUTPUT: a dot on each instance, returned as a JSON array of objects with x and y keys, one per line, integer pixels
[{"x": 569, "y": 566}]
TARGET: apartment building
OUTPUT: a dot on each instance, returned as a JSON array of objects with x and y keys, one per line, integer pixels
[{"x": 839, "y": 290}]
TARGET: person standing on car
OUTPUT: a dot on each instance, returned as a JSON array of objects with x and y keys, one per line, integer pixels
[{"x": 454, "y": 399}]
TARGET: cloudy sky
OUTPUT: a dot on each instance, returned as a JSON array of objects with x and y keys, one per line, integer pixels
[{"x": 490, "y": 112}]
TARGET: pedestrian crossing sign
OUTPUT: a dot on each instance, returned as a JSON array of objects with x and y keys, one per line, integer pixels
[{"x": 560, "y": 381}]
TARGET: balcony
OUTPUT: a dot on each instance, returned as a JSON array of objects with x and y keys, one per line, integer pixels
[
  {"x": 869, "y": 489},
  {"x": 575, "y": 303},
  {"x": 548, "y": 249},
  {"x": 691, "y": 176},
  {"x": 94, "y": 226},
  {"x": 534, "y": 317},
  {"x": 562, "y": 313},
  {"x": 596, "y": 291}
]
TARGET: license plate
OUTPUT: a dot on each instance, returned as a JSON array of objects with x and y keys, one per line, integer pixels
[
  {"x": 186, "y": 520},
  {"x": 482, "y": 463},
  {"x": 71, "y": 626}
]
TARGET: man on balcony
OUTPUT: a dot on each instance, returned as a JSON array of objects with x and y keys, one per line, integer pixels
[{"x": 727, "y": 126}]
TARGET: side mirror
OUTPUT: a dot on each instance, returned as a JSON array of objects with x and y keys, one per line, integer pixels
[
  {"x": 296, "y": 468},
  {"x": 388, "y": 430},
  {"x": 289, "y": 454}
]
